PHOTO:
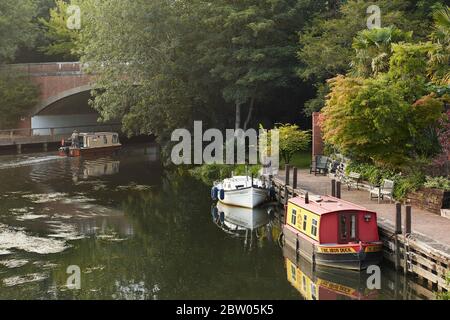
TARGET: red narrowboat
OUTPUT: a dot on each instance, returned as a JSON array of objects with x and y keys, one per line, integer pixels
[
  {"x": 83, "y": 144},
  {"x": 332, "y": 232}
]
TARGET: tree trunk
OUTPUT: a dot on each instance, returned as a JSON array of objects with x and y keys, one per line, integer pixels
[
  {"x": 250, "y": 112},
  {"x": 238, "y": 115}
]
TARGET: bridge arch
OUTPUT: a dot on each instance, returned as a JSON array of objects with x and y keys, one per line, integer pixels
[{"x": 45, "y": 106}]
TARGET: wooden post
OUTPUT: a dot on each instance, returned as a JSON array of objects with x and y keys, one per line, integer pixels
[
  {"x": 45, "y": 146},
  {"x": 338, "y": 189},
  {"x": 294, "y": 180},
  {"x": 19, "y": 148},
  {"x": 408, "y": 221},
  {"x": 398, "y": 230},
  {"x": 333, "y": 188},
  {"x": 286, "y": 195},
  {"x": 398, "y": 218},
  {"x": 287, "y": 174}
]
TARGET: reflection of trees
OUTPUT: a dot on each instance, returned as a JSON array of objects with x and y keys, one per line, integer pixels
[{"x": 192, "y": 257}]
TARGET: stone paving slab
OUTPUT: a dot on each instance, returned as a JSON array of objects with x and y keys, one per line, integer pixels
[{"x": 429, "y": 227}]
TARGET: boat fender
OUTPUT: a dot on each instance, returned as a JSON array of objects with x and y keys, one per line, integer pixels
[
  {"x": 222, "y": 194},
  {"x": 214, "y": 193},
  {"x": 214, "y": 213},
  {"x": 272, "y": 193}
]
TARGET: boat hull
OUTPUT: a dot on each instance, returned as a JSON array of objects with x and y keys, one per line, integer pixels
[
  {"x": 349, "y": 256},
  {"x": 80, "y": 152},
  {"x": 245, "y": 197}
]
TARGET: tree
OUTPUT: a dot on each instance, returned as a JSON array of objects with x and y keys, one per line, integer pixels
[
  {"x": 373, "y": 50},
  {"x": 17, "y": 96},
  {"x": 439, "y": 63},
  {"x": 326, "y": 44},
  {"x": 16, "y": 27},
  {"x": 253, "y": 50},
  {"x": 292, "y": 140},
  {"x": 63, "y": 40}
]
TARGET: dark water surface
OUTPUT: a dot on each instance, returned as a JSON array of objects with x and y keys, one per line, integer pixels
[{"x": 138, "y": 232}]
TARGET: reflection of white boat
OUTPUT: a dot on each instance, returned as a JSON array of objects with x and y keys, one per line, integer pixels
[
  {"x": 100, "y": 168},
  {"x": 238, "y": 218},
  {"x": 242, "y": 191}
]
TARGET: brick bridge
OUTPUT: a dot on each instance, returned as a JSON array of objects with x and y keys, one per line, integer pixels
[
  {"x": 63, "y": 104},
  {"x": 64, "y": 89}
]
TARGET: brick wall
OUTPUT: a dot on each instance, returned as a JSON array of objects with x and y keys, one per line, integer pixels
[{"x": 317, "y": 140}]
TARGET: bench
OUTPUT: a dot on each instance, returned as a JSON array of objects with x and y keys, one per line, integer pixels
[
  {"x": 386, "y": 190},
  {"x": 319, "y": 165},
  {"x": 352, "y": 179}
]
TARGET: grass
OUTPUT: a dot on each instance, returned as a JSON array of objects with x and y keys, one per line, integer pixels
[{"x": 301, "y": 160}]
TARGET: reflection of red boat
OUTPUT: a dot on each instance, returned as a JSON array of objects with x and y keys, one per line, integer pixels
[
  {"x": 324, "y": 283},
  {"x": 91, "y": 144},
  {"x": 332, "y": 232}
]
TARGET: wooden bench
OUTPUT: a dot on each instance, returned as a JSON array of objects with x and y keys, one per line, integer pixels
[
  {"x": 353, "y": 179},
  {"x": 386, "y": 190}
]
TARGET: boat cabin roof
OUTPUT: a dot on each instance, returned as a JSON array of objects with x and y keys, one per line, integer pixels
[
  {"x": 325, "y": 204},
  {"x": 88, "y": 134}
]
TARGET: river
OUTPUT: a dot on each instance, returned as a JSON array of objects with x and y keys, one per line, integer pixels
[{"x": 135, "y": 231}]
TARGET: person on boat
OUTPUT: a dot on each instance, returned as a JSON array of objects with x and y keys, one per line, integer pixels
[{"x": 75, "y": 139}]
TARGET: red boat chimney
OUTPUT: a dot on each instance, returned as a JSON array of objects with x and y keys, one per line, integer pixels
[{"x": 307, "y": 198}]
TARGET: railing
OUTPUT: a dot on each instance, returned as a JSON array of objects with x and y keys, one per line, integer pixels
[{"x": 29, "y": 135}]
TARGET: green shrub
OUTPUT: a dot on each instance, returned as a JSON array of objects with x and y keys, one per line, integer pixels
[
  {"x": 209, "y": 173},
  {"x": 438, "y": 183},
  {"x": 406, "y": 184}
]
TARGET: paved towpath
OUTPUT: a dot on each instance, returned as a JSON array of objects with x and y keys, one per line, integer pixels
[{"x": 426, "y": 226}]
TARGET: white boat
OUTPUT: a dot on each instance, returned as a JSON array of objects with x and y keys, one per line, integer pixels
[{"x": 241, "y": 191}]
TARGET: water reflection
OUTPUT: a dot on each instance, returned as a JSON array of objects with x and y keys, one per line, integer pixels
[
  {"x": 252, "y": 225},
  {"x": 314, "y": 283},
  {"x": 138, "y": 232}
]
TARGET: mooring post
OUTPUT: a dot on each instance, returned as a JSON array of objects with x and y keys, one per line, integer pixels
[
  {"x": 45, "y": 145},
  {"x": 398, "y": 218},
  {"x": 398, "y": 230},
  {"x": 333, "y": 188},
  {"x": 408, "y": 221},
  {"x": 294, "y": 180},
  {"x": 406, "y": 233},
  {"x": 287, "y": 174},
  {"x": 19, "y": 148},
  {"x": 338, "y": 189},
  {"x": 286, "y": 195}
]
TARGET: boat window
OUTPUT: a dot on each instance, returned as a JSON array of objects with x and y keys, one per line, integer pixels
[
  {"x": 353, "y": 227},
  {"x": 313, "y": 291},
  {"x": 115, "y": 138},
  {"x": 304, "y": 283},
  {"x": 105, "y": 139},
  {"x": 314, "y": 227},
  {"x": 294, "y": 217},
  {"x": 305, "y": 220},
  {"x": 293, "y": 272},
  {"x": 343, "y": 227}
]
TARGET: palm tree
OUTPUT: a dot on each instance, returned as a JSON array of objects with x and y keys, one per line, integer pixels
[
  {"x": 373, "y": 50},
  {"x": 440, "y": 55}
]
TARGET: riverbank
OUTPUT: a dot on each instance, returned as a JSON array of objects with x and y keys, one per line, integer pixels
[{"x": 429, "y": 231}]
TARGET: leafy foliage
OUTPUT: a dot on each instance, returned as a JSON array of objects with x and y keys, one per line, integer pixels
[
  {"x": 292, "y": 140},
  {"x": 438, "y": 183},
  {"x": 17, "y": 96},
  {"x": 16, "y": 27},
  {"x": 63, "y": 41}
]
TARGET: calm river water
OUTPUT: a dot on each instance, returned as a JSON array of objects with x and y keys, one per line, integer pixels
[{"x": 138, "y": 232}]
